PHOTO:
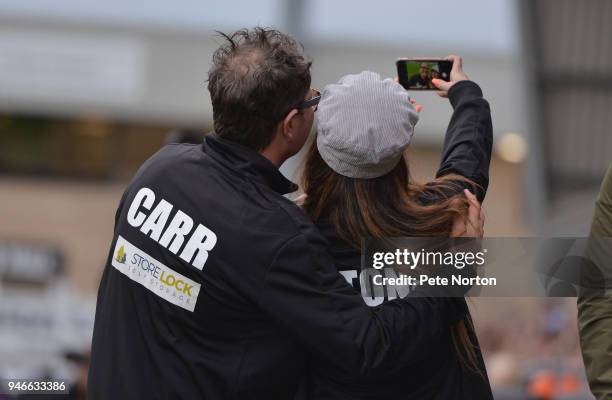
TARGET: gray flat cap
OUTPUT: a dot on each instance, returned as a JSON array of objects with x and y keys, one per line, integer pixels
[{"x": 364, "y": 125}]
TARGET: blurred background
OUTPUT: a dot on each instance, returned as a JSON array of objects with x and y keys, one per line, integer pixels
[{"x": 89, "y": 90}]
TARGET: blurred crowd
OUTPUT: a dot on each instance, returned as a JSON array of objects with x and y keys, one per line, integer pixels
[{"x": 531, "y": 348}]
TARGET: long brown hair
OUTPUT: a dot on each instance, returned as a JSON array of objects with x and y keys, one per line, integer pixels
[{"x": 387, "y": 206}]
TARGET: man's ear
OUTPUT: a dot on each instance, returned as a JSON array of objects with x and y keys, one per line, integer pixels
[{"x": 289, "y": 125}]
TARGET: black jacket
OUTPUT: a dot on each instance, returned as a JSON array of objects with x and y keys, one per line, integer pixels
[
  {"x": 435, "y": 372},
  {"x": 218, "y": 287}
]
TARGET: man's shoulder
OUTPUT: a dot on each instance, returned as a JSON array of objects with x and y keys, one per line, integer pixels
[
  {"x": 176, "y": 152},
  {"x": 282, "y": 216},
  {"x": 170, "y": 155}
]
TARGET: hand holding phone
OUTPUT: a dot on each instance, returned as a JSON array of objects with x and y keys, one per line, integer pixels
[
  {"x": 430, "y": 73},
  {"x": 417, "y": 73},
  {"x": 456, "y": 75}
]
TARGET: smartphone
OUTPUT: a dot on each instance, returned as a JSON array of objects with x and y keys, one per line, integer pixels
[{"x": 416, "y": 73}]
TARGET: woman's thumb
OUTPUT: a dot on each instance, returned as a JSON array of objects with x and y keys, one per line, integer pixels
[{"x": 441, "y": 84}]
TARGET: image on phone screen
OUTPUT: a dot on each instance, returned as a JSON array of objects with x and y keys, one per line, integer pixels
[{"x": 417, "y": 74}]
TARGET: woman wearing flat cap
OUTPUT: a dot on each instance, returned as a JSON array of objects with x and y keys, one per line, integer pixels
[{"x": 357, "y": 184}]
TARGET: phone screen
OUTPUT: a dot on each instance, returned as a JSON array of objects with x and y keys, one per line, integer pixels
[{"x": 416, "y": 74}]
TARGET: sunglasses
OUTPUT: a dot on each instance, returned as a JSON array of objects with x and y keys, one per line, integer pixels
[{"x": 311, "y": 102}]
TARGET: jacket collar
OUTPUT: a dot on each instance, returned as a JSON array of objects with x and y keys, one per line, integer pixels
[{"x": 247, "y": 162}]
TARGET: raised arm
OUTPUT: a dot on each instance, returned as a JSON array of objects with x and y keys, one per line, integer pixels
[{"x": 469, "y": 136}]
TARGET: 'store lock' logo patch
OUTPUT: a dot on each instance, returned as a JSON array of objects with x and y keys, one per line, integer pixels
[
  {"x": 155, "y": 276},
  {"x": 120, "y": 257}
]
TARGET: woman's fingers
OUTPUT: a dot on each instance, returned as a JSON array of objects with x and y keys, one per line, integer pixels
[
  {"x": 459, "y": 227},
  {"x": 475, "y": 215},
  {"x": 474, "y": 210},
  {"x": 472, "y": 224},
  {"x": 442, "y": 85},
  {"x": 416, "y": 105},
  {"x": 456, "y": 75},
  {"x": 471, "y": 198}
]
